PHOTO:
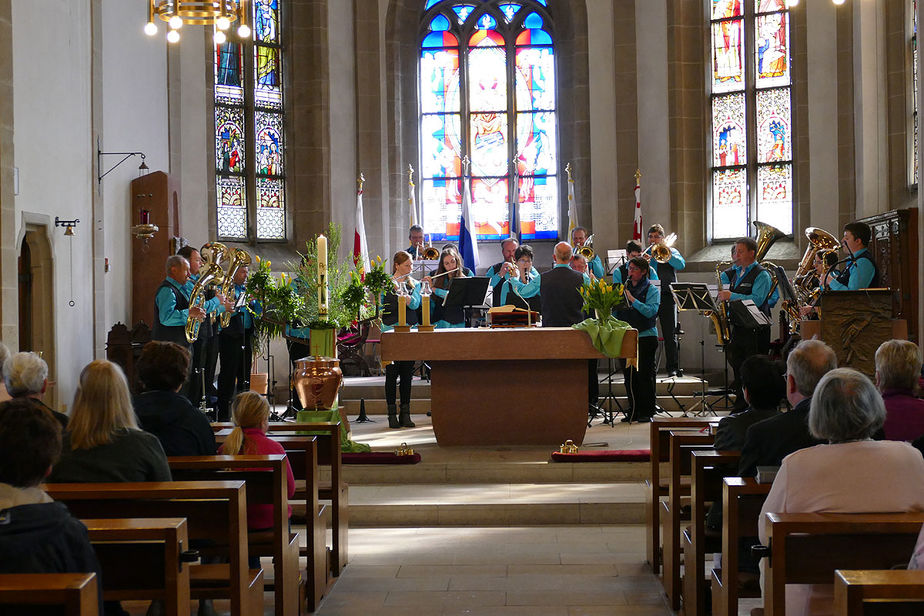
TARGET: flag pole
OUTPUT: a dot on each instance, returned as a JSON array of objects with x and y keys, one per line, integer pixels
[{"x": 637, "y": 224}]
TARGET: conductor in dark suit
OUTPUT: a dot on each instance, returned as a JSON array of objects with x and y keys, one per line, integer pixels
[{"x": 769, "y": 441}]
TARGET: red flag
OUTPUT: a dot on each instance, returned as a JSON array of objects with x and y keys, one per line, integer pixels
[{"x": 637, "y": 230}]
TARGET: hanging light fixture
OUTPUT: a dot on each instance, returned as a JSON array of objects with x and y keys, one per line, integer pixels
[{"x": 218, "y": 13}]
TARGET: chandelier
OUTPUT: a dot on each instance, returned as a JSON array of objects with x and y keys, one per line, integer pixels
[{"x": 218, "y": 13}]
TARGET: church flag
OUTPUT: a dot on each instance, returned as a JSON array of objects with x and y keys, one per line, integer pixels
[
  {"x": 468, "y": 242},
  {"x": 412, "y": 197},
  {"x": 572, "y": 206},
  {"x": 360, "y": 247},
  {"x": 637, "y": 230}
]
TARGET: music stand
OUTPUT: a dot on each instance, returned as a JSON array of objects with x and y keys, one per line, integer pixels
[
  {"x": 466, "y": 293},
  {"x": 695, "y": 297}
]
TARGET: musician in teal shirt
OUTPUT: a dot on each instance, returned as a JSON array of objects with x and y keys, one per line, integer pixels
[
  {"x": 579, "y": 238},
  {"x": 861, "y": 271},
  {"x": 402, "y": 264},
  {"x": 643, "y": 300}
]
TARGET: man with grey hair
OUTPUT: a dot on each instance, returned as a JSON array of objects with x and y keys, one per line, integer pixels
[
  {"x": 25, "y": 375},
  {"x": 767, "y": 442},
  {"x": 171, "y": 304}
]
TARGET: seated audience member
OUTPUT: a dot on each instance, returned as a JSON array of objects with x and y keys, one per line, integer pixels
[
  {"x": 764, "y": 389},
  {"x": 898, "y": 368},
  {"x": 182, "y": 429},
  {"x": 250, "y": 412},
  {"x": 767, "y": 442},
  {"x": 4, "y": 355},
  {"x": 579, "y": 264},
  {"x": 103, "y": 442},
  {"x": 850, "y": 474},
  {"x": 37, "y": 535},
  {"x": 26, "y": 376}
]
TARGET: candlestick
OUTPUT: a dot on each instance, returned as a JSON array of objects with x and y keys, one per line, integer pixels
[
  {"x": 402, "y": 310},
  {"x": 425, "y": 312},
  {"x": 322, "y": 275}
]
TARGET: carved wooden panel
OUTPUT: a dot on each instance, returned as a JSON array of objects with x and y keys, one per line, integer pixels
[{"x": 854, "y": 324}]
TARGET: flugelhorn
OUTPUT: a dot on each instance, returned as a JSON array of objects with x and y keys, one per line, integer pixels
[
  {"x": 586, "y": 250},
  {"x": 661, "y": 252},
  {"x": 239, "y": 258},
  {"x": 213, "y": 254}
]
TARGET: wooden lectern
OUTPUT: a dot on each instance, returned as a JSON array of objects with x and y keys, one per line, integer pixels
[{"x": 854, "y": 324}]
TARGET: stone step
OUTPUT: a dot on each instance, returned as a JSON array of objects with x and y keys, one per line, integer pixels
[
  {"x": 505, "y": 504},
  {"x": 424, "y": 473},
  {"x": 377, "y": 406}
]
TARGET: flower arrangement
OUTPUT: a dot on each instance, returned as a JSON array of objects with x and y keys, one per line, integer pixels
[
  {"x": 277, "y": 303},
  {"x": 339, "y": 313},
  {"x": 602, "y": 297}
]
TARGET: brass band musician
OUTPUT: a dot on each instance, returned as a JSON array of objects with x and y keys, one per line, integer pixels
[
  {"x": 861, "y": 271},
  {"x": 402, "y": 283},
  {"x": 746, "y": 280},
  {"x": 667, "y": 315},
  {"x": 579, "y": 238}
]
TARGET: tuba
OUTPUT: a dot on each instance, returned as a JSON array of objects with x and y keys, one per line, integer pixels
[
  {"x": 767, "y": 235},
  {"x": 661, "y": 252},
  {"x": 239, "y": 258},
  {"x": 213, "y": 254}
]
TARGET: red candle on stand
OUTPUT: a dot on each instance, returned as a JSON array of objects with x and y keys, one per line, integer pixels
[{"x": 145, "y": 217}]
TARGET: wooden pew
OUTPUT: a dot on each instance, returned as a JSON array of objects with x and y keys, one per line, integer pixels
[
  {"x": 878, "y": 592},
  {"x": 807, "y": 548},
  {"x": 215, "y": 511},
  {"x": 336, "y": 490},
  {"x": 682, "y": 444},
  {"x": 68, "y": 594},
  {"x": 709, "y": 468},
  {"x": 656, "y": 485},
  {"x": 742, "y": 500},
  {"x": 263, "y": 488},
  {"x": 157, "y": 550}
]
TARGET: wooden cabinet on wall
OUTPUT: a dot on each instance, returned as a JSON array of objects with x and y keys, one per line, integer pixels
[
  {"x": 895, "y": 249},
  {"x": 157, "y": 193}
]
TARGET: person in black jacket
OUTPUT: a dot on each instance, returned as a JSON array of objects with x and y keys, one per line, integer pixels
[
  {"x": 182, "y": 429},
  {"x": 764, "y": 388},
  {"x": 767, "y": 442},
  {"x": 37, "y": 535}
]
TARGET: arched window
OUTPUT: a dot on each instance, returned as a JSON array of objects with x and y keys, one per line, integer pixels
[
  {"x": 487, "y": 92},
  {"x": 751, "y": 96},
  {"x": 249, "y": 134}
]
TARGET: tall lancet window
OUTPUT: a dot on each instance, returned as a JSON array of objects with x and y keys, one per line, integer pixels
[
  {"x": 751, "y": 98},
  {"x": 487, "y": 92},
  {"x": 249, "y": 129}
]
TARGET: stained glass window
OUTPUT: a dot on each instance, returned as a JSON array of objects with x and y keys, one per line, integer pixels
[
  {"x": 751, "y": 137},
  {"x": 487, "y": 91},
  {"x": 914, "y": 91},
  {"x": 250, "y": 129}
]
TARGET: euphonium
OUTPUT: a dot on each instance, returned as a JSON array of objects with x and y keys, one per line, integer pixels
[
  {"x": 661, "y": 252},
  {"x": 239, "y": 258},
  {"x": 211, "y": 273}
]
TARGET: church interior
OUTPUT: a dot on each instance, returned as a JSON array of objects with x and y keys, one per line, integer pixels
[{"x": 521, "y": 119}]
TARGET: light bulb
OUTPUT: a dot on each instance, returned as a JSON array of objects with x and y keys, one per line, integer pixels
[
  {"x": 243, "y": 31},
  {"x": 222, "y": 23},
  {"x": 176, "y": 22},
  {"x": 173, "y": 36},
  {"x": 839, "y": 2},
  {"x": 220, "y": 37},
  {"x": 150, "y": 28}
]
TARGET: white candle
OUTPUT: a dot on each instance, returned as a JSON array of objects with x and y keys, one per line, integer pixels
[{"x": 322, "y": 275}]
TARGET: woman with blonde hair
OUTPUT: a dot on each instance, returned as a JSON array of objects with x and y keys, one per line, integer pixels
[
  {"x": 103, "y": 442},
  {"x": 250, "y": 412}
]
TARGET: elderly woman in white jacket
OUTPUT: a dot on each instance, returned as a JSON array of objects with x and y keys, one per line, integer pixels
[{"x": 850, "y": 474}]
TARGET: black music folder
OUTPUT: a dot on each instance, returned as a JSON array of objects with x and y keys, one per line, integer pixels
[{"x": 467, "y": 292}]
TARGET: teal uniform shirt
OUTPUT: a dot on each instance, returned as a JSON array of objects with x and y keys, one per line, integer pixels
[
  {"x": 211, "y": 306},
  {"x": 596, "y": 266},
  {"x": 413, "y": 303},
  {"x": 648, "y": 307},
  {"x": 495, "y": 277},
  {"x": 861, "y": 274},
  {"x": 759, "y": 291},
  {"x": 165, "y": 301},
  {"x": 531, "y": 288},
  {"x": 676, "y": 261},
  {"x": 617, "y": 275}
]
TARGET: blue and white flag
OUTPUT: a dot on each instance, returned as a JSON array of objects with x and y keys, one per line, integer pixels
[{"x": 468, "y": 244}]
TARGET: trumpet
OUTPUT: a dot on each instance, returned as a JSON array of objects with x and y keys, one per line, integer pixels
[{"x": 661, "y": 252}]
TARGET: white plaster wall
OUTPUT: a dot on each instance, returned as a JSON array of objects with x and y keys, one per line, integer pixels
[
  {"x": 870, "y": 103},
  {"x": 54, "y": 153},
  {"x": 134, "y": 118},
  {"x": 195, "y": 147},
  {"x": 343, "y": 171},
  {"x": 821, "y": 26},
  {"x": 653, "y": 146}
]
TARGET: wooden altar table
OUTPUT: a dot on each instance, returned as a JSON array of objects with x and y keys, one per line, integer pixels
[{"x": 512, "y": 386}]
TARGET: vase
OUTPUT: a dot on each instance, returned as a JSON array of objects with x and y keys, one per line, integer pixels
[
  {"x": 601, "y": 315},
  {"x": 259, "y": 382},
  {"x": 317, "y": 381}
]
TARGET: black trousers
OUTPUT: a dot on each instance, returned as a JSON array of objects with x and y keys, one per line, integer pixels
[
  {"x": 394, "y": 370},
  {"x": 640, "y": 383},
  {"x": 743, "y": 344},
  {"x": 593, "y": 382},
  {"x": 236, "y": 354},
  {"x": 667, "y": 315},
  {"x": 297, "y": 351},
  {"x": 199, "y": 365}
]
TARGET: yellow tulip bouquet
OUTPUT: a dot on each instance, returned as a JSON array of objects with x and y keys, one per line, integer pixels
[{"x": 601, "y": 298}]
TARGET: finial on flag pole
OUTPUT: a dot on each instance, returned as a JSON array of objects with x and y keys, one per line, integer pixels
[
  {"x": 638, "y": 174},
  {"x": 360, "y": 181},
  {"x": 568, "y": 171}
]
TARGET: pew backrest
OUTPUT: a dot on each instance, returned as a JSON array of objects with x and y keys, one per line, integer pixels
[
  {"x": 898, "y": 592},
  {"x": 69, "y": 594}
]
